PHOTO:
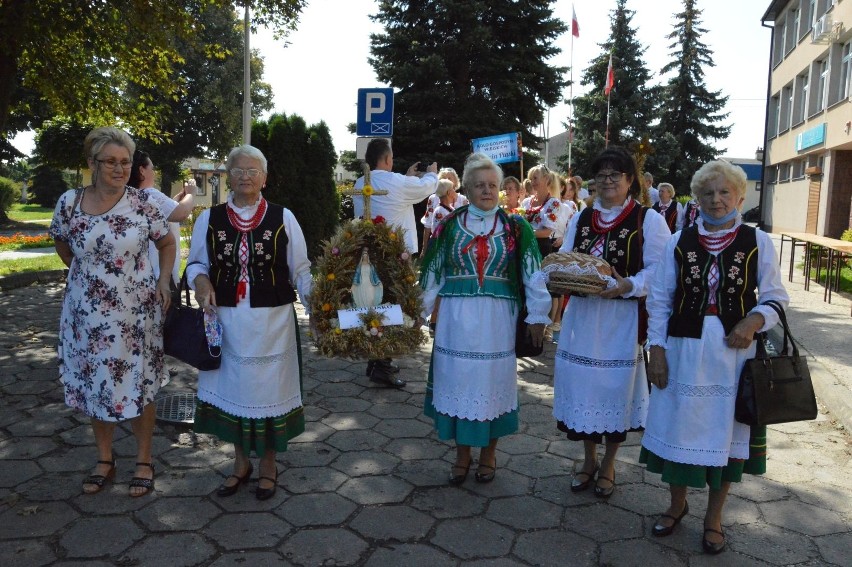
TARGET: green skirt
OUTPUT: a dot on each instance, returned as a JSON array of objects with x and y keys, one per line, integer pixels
[
  {"x": 258, "y": 435},
  {"x": 699, "y": 476},
  {"x": 468, "y": 432}
]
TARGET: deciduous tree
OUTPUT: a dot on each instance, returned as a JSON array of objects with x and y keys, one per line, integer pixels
[{"x": 79, "y": 56}]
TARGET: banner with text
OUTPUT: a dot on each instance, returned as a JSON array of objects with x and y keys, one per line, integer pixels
[{"x": 502, "y": 148}]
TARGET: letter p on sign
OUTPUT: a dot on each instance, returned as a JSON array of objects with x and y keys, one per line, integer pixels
[
  {"x": 375, "y": 112},
  {"x": 375, "y": 105}
]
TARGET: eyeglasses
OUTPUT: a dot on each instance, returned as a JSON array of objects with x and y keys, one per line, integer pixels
[
  {"x": 115, "y": 164},
  {"x": 610, "y": 177},
  {"x": 238, "y": 172}
]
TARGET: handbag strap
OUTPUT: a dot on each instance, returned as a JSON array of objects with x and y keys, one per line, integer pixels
[
  {"x": 783, "y": 318},
  {"x": 184, "y": 284}
]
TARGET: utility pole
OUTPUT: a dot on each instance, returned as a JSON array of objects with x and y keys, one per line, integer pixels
[{"x": 247, "y": 80}]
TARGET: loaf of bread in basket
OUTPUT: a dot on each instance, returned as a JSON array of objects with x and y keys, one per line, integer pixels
[{"x": 575, "y": 272}]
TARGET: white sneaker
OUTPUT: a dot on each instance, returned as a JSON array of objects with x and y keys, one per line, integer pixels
[{"x": 556, "y": 327}]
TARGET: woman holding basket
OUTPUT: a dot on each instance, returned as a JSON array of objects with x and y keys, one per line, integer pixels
[{"x": 600, "y": 389}]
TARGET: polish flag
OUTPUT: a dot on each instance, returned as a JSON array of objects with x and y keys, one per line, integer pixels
[
  {"x": 610, "y": 77},
  {"x": 575, "y": 25}
]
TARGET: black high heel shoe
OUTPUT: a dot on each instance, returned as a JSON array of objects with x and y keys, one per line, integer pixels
[
  {"x": 225, "y": 490},
  {"x": 267, "y": 493},
  {"x": 457, "y": 479},
  {"x": 713, "y": 548},
  {"x": 578, "y": 485},
  {"x": 660, "y": 530}
]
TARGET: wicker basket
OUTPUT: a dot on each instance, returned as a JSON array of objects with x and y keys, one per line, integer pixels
[
  {"x": 565, "y": 276},
  {"x": 565, "y": 284}
]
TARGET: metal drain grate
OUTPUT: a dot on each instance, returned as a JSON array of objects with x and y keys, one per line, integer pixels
[{"x": 176, "y": 408}]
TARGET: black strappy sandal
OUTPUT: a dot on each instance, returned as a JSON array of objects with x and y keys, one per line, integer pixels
[
  {"x": 140, "y": 482},
  {"x": 99, "y": 480}
]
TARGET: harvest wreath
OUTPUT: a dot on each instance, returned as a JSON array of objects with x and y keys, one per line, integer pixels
[{"x": 383, "y": 249}]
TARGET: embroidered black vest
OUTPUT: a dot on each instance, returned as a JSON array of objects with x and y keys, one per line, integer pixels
[
  {"x": 268, "y": 273},
  {"x": 670, "y": 215},
  {"x": 690, "y": 214},
  {"x": 622, "y": 246},
  {"x": 735, "y": 294}
]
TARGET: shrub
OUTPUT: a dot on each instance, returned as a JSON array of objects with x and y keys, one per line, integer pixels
[
  {"x": 847, "y": 235},
  {"x": 9, "y": 194},
  {"x": 48, "y": 186}
]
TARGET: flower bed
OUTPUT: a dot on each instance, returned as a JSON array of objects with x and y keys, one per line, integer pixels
[{"x": 19, "y": 241}]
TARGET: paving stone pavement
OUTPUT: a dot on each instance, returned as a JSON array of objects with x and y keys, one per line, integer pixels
[{"x": 365, "y": 484}]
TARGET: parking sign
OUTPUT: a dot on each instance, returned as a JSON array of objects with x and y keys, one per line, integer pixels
[{"x": 375, "y": 112}]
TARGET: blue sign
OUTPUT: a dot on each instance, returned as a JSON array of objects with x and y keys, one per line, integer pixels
[
  {"x": 810, "y": 138},
  {"x": 375, "y": 112},
  {"x": 502, "y": 148}
]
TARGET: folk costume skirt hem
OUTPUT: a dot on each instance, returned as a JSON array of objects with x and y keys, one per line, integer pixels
[
  {"x": 248, "y": 434},
  {"x": 699, "y": 476}
]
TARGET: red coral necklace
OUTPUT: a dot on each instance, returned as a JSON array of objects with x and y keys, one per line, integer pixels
[
  {"x": 717, "y": 243},
  {"x": 601, "y": 226},
  {"x": 250, "y": 224}
]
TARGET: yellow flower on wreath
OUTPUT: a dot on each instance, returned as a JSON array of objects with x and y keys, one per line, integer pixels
[
  {"x": 367, "y": 190},
  {"x": 375, "y": 323},
  {"x": 330, "y": 277}
]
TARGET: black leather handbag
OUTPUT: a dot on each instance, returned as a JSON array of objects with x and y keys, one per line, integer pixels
[
  {"x": 183, "y": 333},
  {"x": 775, "y": 389}
]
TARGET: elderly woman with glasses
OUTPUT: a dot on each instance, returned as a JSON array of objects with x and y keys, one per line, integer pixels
[
  {"x": 110, "y": 331},
  {"x": 600, "y": 388},
  {"x": 246, "y": 261}
]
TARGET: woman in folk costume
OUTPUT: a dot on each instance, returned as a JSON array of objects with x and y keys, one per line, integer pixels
[
  {"x": 600, "y": 389},
  {"x": 671, "y": 210},
  {"x": 704, "y": 312},
  {"x": 477, "y": 262},
  {"x": 246, "y": 258}
]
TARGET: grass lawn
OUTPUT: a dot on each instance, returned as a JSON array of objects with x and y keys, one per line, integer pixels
[
  {"x": 41, "y": 264},
  {"x": 30, "y": 213},
  {"x": 37, "y": 264},
  {"x": 845, "y": 278}
]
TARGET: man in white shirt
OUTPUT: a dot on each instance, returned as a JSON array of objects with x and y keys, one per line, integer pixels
[
  {"x": 396, "y": 207},
  {"x": 653, "y": 192}
]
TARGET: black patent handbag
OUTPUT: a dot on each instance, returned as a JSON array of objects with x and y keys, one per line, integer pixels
[
  {"x": 183, "y": 333},
  {"x": 775, "y": 389}
]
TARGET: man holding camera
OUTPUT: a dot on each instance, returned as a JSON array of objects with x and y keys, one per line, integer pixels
[{"x": 397, "y": 208}]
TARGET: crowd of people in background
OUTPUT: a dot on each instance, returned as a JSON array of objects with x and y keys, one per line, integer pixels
[{"x": 659, "y": 350}]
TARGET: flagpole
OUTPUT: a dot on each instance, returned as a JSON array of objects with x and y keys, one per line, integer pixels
[
  {"x": 571, "y": 95},
  {"x": 606, "y": 140}
]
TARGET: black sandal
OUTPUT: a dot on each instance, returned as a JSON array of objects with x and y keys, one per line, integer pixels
[
  {"x": 100, "y": 480},
  {"x": 141, "y": 482}
]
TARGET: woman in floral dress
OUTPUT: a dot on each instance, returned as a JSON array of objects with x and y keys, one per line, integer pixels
[{"x": 110, "y": 331}]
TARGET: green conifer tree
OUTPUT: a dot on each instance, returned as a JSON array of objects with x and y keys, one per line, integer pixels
[
  {"x": 632, "y": 99},
  {"x": 465, "y": 69},
  {"x": 690, "y": 116}
]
